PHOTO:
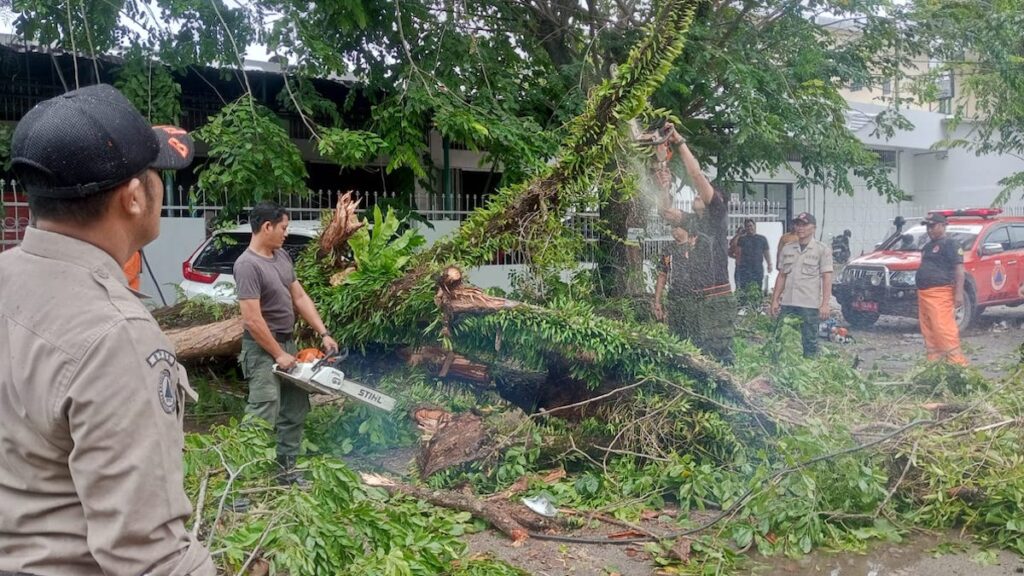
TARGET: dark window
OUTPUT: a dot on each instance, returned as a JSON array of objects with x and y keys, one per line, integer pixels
[
  {"x": 222, "y": 250},
  {"x": 1017, "y": 237},
  {"x": 999, "y": 236},
  {"x": 913, "y": 239},
  {"x": 886, "y": 158}
]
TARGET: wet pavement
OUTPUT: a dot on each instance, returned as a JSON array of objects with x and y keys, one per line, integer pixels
[{"x": 919, "y": 555}]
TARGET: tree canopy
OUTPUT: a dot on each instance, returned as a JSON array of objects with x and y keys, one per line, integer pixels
[
  {"x": 980, "y": 45},
  {"x": 758, "y": 84}
]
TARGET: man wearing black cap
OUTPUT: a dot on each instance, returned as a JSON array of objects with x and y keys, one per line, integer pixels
[
  {"x": 940, "y": 289},
  {"x": 91, "y": 394},
  {"x": 803, "y": 288}
]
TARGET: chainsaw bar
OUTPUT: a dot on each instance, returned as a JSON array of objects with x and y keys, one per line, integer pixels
[{"x": 323, "y": 379}]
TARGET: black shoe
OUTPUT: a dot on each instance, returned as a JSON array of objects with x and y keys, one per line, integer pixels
[{"x": 289, "y": 476}]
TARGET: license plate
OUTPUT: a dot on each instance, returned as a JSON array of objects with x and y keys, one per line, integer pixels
[{"x": 862, "y": 306}]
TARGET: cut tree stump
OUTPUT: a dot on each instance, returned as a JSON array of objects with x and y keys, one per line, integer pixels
[{"x": 448, "y": 440}]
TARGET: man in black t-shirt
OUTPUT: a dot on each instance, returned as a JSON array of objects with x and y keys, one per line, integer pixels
[
  {"x": 940, "y": 289},
  {"x": 752, "y": 250},
  {"x": 703, "y": 309}
]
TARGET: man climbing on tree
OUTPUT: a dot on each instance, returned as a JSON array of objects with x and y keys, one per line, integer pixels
[{"x": 700, "y": 304}]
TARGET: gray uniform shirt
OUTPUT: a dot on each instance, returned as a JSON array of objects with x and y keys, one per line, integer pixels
[
  {"x": 803, "y": 269},
  {"x": 268, "y": 280},
  {"x": 91, "y": 441}
]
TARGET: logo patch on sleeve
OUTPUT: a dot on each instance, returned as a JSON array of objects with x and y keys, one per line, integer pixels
[
  {"x": 161, "y": 355},
  {"x": 166, "y": 392}
]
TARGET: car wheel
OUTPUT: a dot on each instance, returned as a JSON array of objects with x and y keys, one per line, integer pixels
[
  {"x": 858, "y": 319},
  {"x": 967, "y": 314}
]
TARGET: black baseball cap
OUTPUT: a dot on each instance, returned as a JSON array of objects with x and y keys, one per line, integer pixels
[
  {"x": 90, "y": 140},
  {"x": 806, "y": 218},
  {"x": 935, "y": 219}
]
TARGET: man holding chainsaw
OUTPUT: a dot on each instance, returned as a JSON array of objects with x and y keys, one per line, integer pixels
[
  {"x": 701, "y": 306},
  {"x": 269, "y": 295}
]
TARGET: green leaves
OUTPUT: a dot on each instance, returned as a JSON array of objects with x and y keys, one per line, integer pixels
[
  {"x": 349, "y": 148},
  {"x": 251, "y": 158},
  {"x": 6, "y": 133},
  {"x": 150, "y": 87},
  {"x": 378, "y": 252}
]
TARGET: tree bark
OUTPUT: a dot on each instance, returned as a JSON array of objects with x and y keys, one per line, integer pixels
[
  {"x": 222, "y": 338},
  {"x": 491, "y": 512},
  {"x": 620, "y": 265},
  {"x": 445, "y": 364}
]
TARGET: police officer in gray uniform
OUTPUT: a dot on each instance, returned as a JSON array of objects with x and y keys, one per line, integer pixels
[
  {"x": 803, "y": 288},
  {"x": 91, "y": 395}
]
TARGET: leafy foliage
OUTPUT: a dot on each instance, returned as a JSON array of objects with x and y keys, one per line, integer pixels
[
  {"x": 251, "y": 158},
  {"x": 977, "y": 45},
  {"x": 339, "y": 527},
  {"x": 349, "y": 147},
  {"x": 6, "y": 133},
  {"x": 151, "y": 88}
]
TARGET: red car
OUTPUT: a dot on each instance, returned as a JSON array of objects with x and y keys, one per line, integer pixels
[{"x": 882, "y": 282}]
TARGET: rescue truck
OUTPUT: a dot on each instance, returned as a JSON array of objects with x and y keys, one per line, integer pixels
[{"x": 883, "y": 282}]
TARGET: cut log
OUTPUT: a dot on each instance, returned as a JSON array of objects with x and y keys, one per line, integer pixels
[
  {"x": 222, "y": 338},
  {"x": 493, "y": 513},
  {"x": 433, "y": 359}
]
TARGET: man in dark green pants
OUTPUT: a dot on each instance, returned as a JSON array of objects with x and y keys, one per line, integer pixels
[{"x": 269, "y": 295}]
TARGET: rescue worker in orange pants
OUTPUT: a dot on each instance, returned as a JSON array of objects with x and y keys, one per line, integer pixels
[{"x": 940, "y": 289}]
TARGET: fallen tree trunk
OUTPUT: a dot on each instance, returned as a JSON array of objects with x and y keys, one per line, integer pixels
[
  {"x": 456, "y": 299},
  {"x": 222, "y": 338},
  {"x": 540, "y": 357}
]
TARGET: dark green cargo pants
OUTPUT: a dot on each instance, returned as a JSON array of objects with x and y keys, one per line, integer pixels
[
  {"x": 809, "y": 322},
  {"x": 280, "y": 403},
  {"x": 707, "y": 321}
]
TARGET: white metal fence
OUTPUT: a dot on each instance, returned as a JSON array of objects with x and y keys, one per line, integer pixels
[
  {"x": 437, "y": 209},
  {"x": 310, "y": 206},
  {"x": 659, "y": 234}
]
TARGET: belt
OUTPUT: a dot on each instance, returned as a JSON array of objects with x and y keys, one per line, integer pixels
[
  {"x": 720, "y": 290},
  {"x": 279, "y": 336}
]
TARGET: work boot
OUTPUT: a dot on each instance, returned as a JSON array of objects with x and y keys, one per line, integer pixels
[{"x": 289, "y": 476}]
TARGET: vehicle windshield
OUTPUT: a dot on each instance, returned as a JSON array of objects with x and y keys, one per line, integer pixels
[
  {"x": 219, "y": 255},
  {"x": 914, "y": 238}
]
